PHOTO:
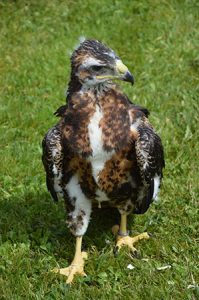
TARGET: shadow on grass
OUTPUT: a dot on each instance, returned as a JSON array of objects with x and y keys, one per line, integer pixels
[{"x": 34, "y": 218}]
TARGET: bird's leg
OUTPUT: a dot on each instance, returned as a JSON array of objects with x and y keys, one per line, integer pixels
[
  {"x": 123, "y": 237},
  {"x": 77, "y": 265}
]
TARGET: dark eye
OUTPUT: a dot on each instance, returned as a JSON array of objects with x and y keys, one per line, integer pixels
[{"x": 96, "y": 68}]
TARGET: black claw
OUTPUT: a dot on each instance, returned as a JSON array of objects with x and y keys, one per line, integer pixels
[
  {"x": 116, "y": 251},
  {"x": 136, "y": 254}
]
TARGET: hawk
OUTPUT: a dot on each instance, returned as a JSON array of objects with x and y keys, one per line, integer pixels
[{"x": 103, "y": 149}]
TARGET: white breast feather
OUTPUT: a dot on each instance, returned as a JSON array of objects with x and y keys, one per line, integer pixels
[{"x": 99, "y": 155}]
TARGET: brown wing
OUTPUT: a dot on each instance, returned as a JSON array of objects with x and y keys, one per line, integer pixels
[
  {"x": 53, "y": 160},
  {"x": 149, "y": 151},
  {"x": 150, "y": 159}
]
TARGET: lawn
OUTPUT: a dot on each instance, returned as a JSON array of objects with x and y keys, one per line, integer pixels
[{"x": 159, "y": 42}]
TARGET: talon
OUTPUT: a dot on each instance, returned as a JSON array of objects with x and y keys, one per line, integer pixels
[
  {"x": 76, "y": 267},
  {"x": 136, "y": 254},
  {"x": 134, "y": 251},
  {"x": 130, "y": 241},
  {"x": 123, "y": 237},
  {"x": 55, "y": 270},
  {"x": 116, "y": 251}
]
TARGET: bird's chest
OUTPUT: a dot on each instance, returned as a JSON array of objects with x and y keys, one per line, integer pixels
[
  {"x": 99, "y": 155},
  {"x": 110, "y": 168},
  {"x": 105, "y": 171}
]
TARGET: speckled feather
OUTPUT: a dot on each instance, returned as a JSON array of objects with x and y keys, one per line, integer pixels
[{"x": 120, "y": 162}]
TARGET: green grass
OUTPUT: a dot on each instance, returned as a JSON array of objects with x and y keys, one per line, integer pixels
[{"x": 158, "y": 40}]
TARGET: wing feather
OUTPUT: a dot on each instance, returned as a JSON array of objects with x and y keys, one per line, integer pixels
[
  {"x": 149, "y": 151},
  {"x": 53, "y": 160},
  {"x": 150, "y": 160}
]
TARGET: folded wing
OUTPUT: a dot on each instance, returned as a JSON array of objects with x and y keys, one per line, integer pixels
[
  {"x": 150, "y": 159},
  {"x": 53, "y": 161}
]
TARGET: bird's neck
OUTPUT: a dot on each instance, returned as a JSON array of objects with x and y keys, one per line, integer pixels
[{"x": 98, "y": 90}]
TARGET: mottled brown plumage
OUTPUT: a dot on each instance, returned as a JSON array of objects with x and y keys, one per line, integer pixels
[{"x": 103, "y": 148}]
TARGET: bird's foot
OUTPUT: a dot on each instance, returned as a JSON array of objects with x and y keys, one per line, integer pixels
[
  {"x": 76, "y": 268},
  {"x": 126, "y": 240},
  {"x": 130, "y": 241}
]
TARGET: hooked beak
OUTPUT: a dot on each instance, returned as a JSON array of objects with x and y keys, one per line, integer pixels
[{"x": 123, "y": 72}]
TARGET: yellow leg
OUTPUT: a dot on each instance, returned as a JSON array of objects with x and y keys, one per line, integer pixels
[
  {"x": 77, "y": 265},
  {"x": 122, "y": 235},
  {"x": 123, "y": 225}
]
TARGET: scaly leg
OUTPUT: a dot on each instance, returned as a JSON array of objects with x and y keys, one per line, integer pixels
[
  {"x": 77, "y": 265},
  {"x": 123, "y": 237}
]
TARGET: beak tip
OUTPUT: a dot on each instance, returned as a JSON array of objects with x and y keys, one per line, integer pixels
[{"x": 128, "y": 77}]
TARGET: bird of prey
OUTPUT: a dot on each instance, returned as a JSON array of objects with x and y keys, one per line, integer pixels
[{"x": 103, "y": 149}]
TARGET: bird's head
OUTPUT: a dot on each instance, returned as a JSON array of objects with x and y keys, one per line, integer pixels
[{"x": 94, "y": 63}]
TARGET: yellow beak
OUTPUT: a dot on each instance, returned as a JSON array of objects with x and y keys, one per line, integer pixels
[
  {"x": 124, "y": 72},
  {"x": 120, "y": 67}
]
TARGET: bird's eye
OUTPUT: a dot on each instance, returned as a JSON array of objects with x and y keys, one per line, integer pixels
[{"x": 96, "y": 68}]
